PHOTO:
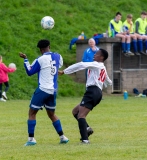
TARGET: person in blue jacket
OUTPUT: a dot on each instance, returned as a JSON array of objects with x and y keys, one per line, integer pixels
[{"x": 90, "y": 52}]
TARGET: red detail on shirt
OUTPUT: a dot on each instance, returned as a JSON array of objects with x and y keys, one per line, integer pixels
[{"x": 102, "y": 75}]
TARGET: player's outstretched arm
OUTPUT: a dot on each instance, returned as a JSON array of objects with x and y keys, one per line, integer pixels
[
  {"x": 60, "y": 72},
  {"x": 22, "y": 55}
]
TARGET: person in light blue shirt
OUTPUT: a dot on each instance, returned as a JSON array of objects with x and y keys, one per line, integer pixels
[
  {"x": 90, "y": 52},
  {"x": 46, "y": 66}
]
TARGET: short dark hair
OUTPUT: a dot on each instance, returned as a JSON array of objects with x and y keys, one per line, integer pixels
[
  {"x": 143, "y": 13},
  {"x": 118, "y": 13},
  {"x": 43, "y": 43},
  {"x": 104, "y": 53}
]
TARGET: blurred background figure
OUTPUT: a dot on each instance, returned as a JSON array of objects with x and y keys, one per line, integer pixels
[{"x": 4, "y": 79}]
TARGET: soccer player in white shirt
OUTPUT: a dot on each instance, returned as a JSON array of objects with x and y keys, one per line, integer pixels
[
  {"x": 47, "y": 67},
  {"x": 97, "y": 76}
]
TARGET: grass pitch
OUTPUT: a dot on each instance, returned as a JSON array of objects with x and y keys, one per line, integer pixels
[{"x": 120, "y": 131}]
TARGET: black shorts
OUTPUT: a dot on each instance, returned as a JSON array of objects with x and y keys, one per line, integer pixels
[{"x": 92, "y": 97}]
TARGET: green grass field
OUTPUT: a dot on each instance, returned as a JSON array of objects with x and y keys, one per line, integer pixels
[{"x": 120, "y": 131}]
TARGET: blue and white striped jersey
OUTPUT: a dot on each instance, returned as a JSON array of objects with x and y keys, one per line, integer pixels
[{"x": 47, "y": 67}]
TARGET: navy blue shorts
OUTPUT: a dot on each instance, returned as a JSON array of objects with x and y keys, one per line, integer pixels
[
  {"x": 92, "y": 97},
  {"x": 41, "y": 98}
]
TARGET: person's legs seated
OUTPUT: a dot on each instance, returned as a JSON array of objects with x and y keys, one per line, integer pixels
[
  {"x": 140, "y": 43},
  {"x": 122, "y": 42},
  {"x": 128, "y": 44},
  {"x": 145, "y": 41},
  {"x": 134, "y": 42}
]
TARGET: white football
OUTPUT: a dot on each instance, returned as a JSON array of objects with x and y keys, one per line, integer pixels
[
  {"x": 47, "y": 22},
  {"x": 12, "y": 65}
]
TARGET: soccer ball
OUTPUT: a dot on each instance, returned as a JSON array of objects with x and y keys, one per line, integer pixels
[
  {"x": 47, "y": 22},
  {"x": 12, "y": 65}
]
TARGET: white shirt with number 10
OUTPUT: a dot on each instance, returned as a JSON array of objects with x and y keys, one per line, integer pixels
[{"x": 97, "y": 74}]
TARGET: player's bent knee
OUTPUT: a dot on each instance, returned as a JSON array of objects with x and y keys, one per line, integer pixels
[{"x": 74, "y": 112}]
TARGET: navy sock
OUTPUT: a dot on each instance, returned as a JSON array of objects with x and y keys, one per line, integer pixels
[
  {"x": 31, "y": 127},
  {"x": 127, "y": 47},
  {"x": 135, "y": 45},
  {"x": 145, "y": 44},
  {"x": 83, "y": 128},
  {"x": 140, "y": 45},
  {"x": 123, "y": 47},
  {"x": 58, "y": 127},
  {"x": 76, "y": 117}
]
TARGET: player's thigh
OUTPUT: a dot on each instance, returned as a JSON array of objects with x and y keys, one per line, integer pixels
[
  {"x": 50, "y": 102},
  {"x": 127, "y": 37},
  {"x": 75, "y": 109},
  {"x": 32, "y": 114},
  {"x": 92, "y": 97},
  {"x": 120, "y": 35},
  {"x": 38, "y": 99},
  {"x": 138, "y": 36},
  {"x": 133, "y": 36},
  {"x": 144, "y": 37},
  {"x": 83, "y": 111}
]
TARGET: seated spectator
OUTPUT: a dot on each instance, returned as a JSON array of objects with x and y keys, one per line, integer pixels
[
  {"x": 141, "y": 30},
  {"x": 129, "y": 28},
  {"x": 116, "y": 26}
]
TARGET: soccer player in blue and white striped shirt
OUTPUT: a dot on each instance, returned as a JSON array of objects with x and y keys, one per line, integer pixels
[{"x": 46, "y": 66}]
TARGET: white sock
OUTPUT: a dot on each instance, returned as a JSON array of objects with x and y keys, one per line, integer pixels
[
  {"x": 62, "y": 136},
  {"x": 30, "y": 138},
  {"x": 86, "y": 141}
]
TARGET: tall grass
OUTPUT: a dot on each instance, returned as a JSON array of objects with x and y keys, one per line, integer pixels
[{"x": 21, "y": 30}]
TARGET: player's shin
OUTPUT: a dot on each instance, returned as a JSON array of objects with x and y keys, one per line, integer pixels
[
  {"x": 58, "y": 128},
  {"x": 76, "y": 117},
  {"x": 83, "y": 128},
  {"x": 31, "y": 128}
]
